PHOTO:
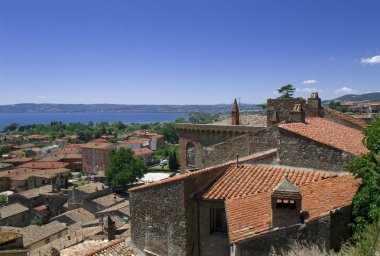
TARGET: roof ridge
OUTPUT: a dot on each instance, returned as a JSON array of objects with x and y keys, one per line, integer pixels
[{"x": 345, "y": 117}]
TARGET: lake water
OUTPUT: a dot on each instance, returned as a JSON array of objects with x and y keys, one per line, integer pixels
[{"x": 84, "y": 118}]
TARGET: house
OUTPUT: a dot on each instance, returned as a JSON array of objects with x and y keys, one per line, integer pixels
[
  {"x": 117, "y": 247},
  {"x": 242, "y": 208},
  {"x": 15, "y": 215},
  {"x": 83, "y": 194},
  {"x": 47, "y": 195},
  {"x": 144, "y": 154},
  {"x": 95, "y": 157},
  {"x": 38, "y": 138},
  {"x": 11, "y": 243},
  {"x": 304, "y": 132},
  {"x": 44, "y": 165},
  {"x": 60, "y": 142},
  {"x": 38, "y": 236},
  {"x": 74, "y": 219},
  {"x": 135, "y": 143}
]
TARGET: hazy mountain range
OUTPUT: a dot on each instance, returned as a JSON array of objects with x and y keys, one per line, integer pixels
[{"x": 72, "y": 108}]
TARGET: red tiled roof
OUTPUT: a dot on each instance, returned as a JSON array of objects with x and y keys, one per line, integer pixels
[
  {"x": 252, "y": 215},
  {"x": 40, "y": 208},
  {"x": 142, "y": 151},
  {"x": 69, "y": 151},
  {"x": 206, "y": 170},
  {"x": 44, "y": 165},
  {"x": 98, "y": 145},
  {"x": 345, "y": 117},
  {"x": 17, "y": 160},
  {"x": 38, "y": 137},
  {"x": 251, "y": 179},
  {"x": 99, "y": 140},
  {"x": 329, "y": 133},
  {"x": 136, "y": 141}
]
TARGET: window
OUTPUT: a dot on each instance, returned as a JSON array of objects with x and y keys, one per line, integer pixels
[
  {"x": 23, "y": 218},
  {"x": 190, "y": 154},
  {"x": 47, "y": 240},
  {"x": 286, "y": 204},
  {"x": 218, "y": 222},
  {"x": 59, "y": 235}
]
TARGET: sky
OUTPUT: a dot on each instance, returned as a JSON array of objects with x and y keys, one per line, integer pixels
[{"x": 185, "y": 51}]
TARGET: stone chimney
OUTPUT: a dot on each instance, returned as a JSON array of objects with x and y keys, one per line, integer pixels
[
  {"x": 235, "y": 114},
  {"x": 109, "y": 228},
  {"x": 297, "y": 115},
  {"x": 314, "y": 104},
  {"x": 286, "y": 204},
  {"x": 274, "y": 118}
]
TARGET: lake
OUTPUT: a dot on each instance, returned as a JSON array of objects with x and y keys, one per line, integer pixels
[{"x": 84, "y": 118}]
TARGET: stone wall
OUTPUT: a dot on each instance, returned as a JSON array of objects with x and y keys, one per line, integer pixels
[
  {"x": 317, "y": 231},
  {"x": 339, "y": 120},
  {"x": 164, "y": 217},
  {"x": 244, "y": 145},
  {"x": 283, "y": 108},
  {"x": 206, "y": 135},
  {"x": 295, "y": 150},
  {"x": 328, "y": 232}
]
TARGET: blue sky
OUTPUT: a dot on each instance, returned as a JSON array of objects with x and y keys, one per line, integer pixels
[{"x": 185, "y": 52}]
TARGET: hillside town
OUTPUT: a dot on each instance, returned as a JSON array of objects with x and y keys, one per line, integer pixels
[{"x": 245, "y": 185}]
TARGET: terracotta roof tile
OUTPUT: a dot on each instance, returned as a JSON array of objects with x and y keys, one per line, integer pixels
[
  {"x": 251, "y": 179},
  {"x": 206, "y": 170},
  {"x": 345, "y": 117},
  {"x": 329, "y": 133},
  {"x": 44, "y": 165},
  {"x": 142, "y": 151},
  {"x": 252, "y": 215}
]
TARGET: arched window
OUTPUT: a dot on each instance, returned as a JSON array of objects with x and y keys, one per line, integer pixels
[{"x": 190, "y": 154}]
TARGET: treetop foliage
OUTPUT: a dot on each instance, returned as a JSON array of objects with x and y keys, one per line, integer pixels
[{"x": 286, "y": 91}]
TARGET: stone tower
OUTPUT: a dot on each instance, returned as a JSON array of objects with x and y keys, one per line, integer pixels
[
  {"x": 109, "y": 228},
  {"x": 286, "y": 204},
  {"x": 235, "y": 114}
]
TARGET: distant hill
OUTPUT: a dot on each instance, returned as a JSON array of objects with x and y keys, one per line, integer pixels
[
  {"x": 373, "y": 96},
  {"x": 74, "y": 108}
]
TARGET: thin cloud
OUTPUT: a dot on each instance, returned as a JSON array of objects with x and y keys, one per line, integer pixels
[
  {"x": 307, "y": 89},
  {"x": 344, "y": 89},
  {"x": 371, "y": 60},
  {"x": 310, "y": 82}
]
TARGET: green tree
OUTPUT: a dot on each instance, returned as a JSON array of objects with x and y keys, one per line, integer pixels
[
  {"x": 169, "y": 132},
  {"x": 11, "y": 127},
  {"x": 123, "y": 168},
  {"x": 366, "y": 203},
  {"x": 3, "y": 199},
  {"x": 286, "y": 91},
  {"x": 336, "y": 106},
  {"x": 173, "y": 161}
]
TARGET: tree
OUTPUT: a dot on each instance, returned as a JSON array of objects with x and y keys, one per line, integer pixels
[
  {"x": 287, "y": 91},
  {"x": 11, "y": 127},
  {"x": 123, "y": 168},
  {"x": 173, "y": 161},
  {"x": 169, "y": 132},
  {"x": 366, "y": 203},
  {"x": 336, "y": 106}
]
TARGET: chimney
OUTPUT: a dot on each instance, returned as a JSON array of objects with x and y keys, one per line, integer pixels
[
  {"x": 109, "y": 228},
  {"x": 314, "y": 105},
  {"x": 286, "y": 204},
  {"x": 235, "y": 114},
  {"x": 274, "y": 118},
  {"x": 297, "y": 115}
]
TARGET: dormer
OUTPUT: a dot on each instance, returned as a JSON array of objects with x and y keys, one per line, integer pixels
[{"x": 286, "y": 204}]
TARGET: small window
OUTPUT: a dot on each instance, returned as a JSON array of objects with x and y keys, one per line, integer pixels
[
  {"x": 47, "y": 240},
  {"x": 23, "y": 218},
  {"x": 59, "y": 235},
  {"x": 190, "y": 154},
  {"x": 286, "y": 204},
  {"x": 218, "y": 221}
]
